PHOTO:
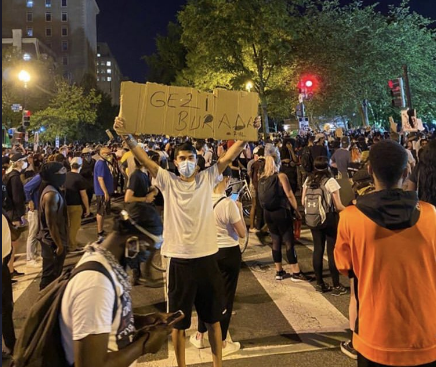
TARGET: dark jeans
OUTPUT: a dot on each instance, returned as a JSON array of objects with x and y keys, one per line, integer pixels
[
  {"x": 7, "y": 306},
  {"x": 229, "y": 263},
  {"x": 320, "y": 236},
  {"x": 363, "y": 362},
  {"x": 52, "y": 264}
]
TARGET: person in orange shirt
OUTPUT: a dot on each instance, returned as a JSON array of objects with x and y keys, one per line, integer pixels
[{"x": 387, "y": 243}]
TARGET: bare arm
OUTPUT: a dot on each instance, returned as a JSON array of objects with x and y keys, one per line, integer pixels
[
  {"x": 104, "y": 188},
  {"x": 85, "y": 201},
  {"x": 240, "y": 227},
  {"x": 337, "y": 200},
  {"x": 51, "y": 201},
  {"x": 288, "y": 191},
  {"x": 303, "y": 195}
]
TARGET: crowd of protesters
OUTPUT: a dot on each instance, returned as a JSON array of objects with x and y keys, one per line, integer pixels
[{"x": 333, "y": 182}]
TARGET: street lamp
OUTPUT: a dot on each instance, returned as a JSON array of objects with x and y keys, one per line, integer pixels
[
  {"x": 248, "y": 86},
  {"x": 24, "y": 77}
]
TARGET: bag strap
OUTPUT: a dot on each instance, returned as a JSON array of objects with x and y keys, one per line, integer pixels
[
  {"x": 99, "y": 267},
  {"x": 221, "y": 199}
]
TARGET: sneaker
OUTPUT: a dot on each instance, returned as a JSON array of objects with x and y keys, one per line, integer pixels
[
  {"x": 348, "y": 350},
  {"x": 280, "y": 275},
  {"x": 253, "y": 230},
  {"x": 231, "y": 347},
  {"x": 101, "y": 237},
  {"x": 339, "y": 290},
  {"x": 299, "y": 277},
  {"x": 323, "y": 288},
  {"x": 199, "y": 343}
]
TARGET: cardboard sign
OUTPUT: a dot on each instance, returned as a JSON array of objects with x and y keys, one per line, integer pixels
[
  {"x": 408, "y": 120},
  {"x": 339, "y": 132},
  {"x": 180, "y": 111}
]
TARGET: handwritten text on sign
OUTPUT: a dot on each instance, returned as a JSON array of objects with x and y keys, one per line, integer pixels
[{"x": 178, "y": 111}]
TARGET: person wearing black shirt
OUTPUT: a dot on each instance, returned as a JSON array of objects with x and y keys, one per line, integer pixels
[
  {"x": 319, "y": 149},
  {"x": 289, "y": 163},
  {"x": 87, "y": 171}
]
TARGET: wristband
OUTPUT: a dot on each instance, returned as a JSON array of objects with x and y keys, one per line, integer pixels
[{"x": 131, "y": 142}]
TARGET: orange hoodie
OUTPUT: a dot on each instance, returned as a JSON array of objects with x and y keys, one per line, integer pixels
[{"x": 395, "y": 272}]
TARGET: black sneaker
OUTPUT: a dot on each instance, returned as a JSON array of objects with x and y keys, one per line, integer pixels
[
  {"x": 339, "y": 290},
  {"x": 323, "y": 288},
  {"x": 348, "y": 350},
  {"x": 281, "y": 274},
  {"x": 299, "y": 277},
  {"x": 16, "y": 273}
]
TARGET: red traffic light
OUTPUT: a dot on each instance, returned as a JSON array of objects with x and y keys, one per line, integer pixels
[
  {"x": 308, "y": 83},
  {"x": 27, "y": 113}
]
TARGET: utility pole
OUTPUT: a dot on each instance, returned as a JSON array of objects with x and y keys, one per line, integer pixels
[{"x": 407, "y": 86}]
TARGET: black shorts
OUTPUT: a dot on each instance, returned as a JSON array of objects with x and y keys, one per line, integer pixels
[
  {"x": 103, "y": 207},
  {"x": 279, "y": 221},
  {"x": 196, "y": 282}
]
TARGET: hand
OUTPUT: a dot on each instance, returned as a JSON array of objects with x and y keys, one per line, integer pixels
[
  {"x": 16, "y": 223},
  {"x": 59, "y": 250},
  {"x": 149, "y": 198},
  {"x": 31, "y": 206},
  {"x": 87, "y": 213},
  {"x": 119, "y": 124},
  {"x": 257, "y": 122},
  {"x": 106, "y": 197},
  {"x": 155, "y": 338},
  {"x": 298, "y": 215},
  {"x": 152, "y": 319}
]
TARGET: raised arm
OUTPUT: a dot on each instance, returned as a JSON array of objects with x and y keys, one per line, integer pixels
[{"x": 137, "y": 151}]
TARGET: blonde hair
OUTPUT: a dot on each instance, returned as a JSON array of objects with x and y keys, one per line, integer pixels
[{"x": 270, "y": 166}]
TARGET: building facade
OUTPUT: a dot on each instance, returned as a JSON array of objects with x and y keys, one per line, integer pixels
[
  {"x": 109, "y": 76},
  {"x": 66, "y": 27}
]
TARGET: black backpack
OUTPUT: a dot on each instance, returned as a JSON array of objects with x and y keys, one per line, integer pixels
[
  {"x": 40, "y": 341},
  {"x": 307, "y": 160},
  {"x": 269, "y": 194},
  {"x": 6, "y": 199}
]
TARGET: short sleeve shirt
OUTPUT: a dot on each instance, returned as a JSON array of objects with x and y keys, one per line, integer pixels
[
  {"x": 139, "y": 183},
  {"x": 101, "y": 169},
  {"x": 226, "y": 215},
  {"x": 73, "y": 185}
]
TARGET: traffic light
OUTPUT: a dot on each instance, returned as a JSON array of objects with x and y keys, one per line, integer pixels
[
  {"x": 397, "y": 92},
  {"x": 308, "y": 85},
  {"x": 26, "y": 118}
]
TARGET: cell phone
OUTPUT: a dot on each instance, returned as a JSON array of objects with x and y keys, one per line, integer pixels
[
  {"x": 234, "y": 197},
  {"x": 175, "y": 317}
]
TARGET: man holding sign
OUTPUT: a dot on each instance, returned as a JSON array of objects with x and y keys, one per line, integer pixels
[{"x": 190, "y": 238}]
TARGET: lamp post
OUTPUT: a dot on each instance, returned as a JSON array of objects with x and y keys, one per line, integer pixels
[
  {"x": 24, "y": 77},
  {"x": 248, "y": 86}
]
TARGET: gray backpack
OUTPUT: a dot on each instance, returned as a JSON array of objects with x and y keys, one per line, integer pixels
[{"x": 316, "y": 204}]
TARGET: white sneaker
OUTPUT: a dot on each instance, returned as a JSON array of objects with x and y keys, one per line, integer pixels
[
  {"x": 33, "y": 264},
  {"x": 199, "y": 343},
  {"x": 231, "y": 347},
  {"x": 253, "y": 230}
]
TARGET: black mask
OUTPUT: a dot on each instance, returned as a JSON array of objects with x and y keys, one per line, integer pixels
[{"x": 58, "y": 180}]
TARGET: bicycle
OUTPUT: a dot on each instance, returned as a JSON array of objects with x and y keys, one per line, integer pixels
[{"x": 244, "y": 194}]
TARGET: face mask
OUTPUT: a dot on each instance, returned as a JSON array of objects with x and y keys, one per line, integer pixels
[
  {"x": 88, "y": 158},
  {"x": 187, "y": 168},
  {"x": 24, "y": 166}
]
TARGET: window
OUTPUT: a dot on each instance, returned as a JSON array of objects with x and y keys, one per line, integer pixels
[
  {"x": 48, "y": 44},
  {"x": 64, "y": 3},
  {"x": 109, "y": 71},
  {"x": 108, "y": 63},
  {"x": 98, "y": 78},
  {"x": 64, "y": 31},
  {"x": 29, "y": 3},
  {"x": 64, "y": 60},
  {"x": 48, "y": 17},
  {"x": 103, "y": 79},
  {"x": 64, "y": 45},
  {"x": 64, "y": 16},
  {"x": 48, "y": 32},
  {"x": 48, "y": 3},
  {"x": 29, "y": 17},
  {"x": 29, "y": 32},
  {"x": 98, "y": 71},
  {"x": 109, "y": 79},
  {"x": 102, "y": 71}
]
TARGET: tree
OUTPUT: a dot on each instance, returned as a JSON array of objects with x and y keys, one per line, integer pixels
[
  {"x": 231, "y": 42},
  {"x": 67, "y": 110}
]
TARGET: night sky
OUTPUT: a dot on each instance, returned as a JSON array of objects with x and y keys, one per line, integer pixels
[{"x": 130, "y": 27}]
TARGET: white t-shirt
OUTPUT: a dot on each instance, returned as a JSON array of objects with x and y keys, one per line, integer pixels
[
  {"x": 87, "y": 308},
  {"x": 226, "y": 214},
  {"x": 331, "y": 186},
  {"x": 6, "y": 238},
  {"x": 189, "y": 230}
]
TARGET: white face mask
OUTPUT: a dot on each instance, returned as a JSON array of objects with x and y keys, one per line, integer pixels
[
  {"x": 24, "y": 166},
  {"x": 187, "y": 168}
]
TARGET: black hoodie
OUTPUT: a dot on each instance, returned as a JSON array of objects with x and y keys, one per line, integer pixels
[{"x": 392, "y": 209}]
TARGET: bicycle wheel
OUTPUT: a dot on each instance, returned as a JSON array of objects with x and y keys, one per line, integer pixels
[
  {"x": 245, "y": 199},
  {"x": 158, "y": 261},
  {"x": 243, "y": 242}
]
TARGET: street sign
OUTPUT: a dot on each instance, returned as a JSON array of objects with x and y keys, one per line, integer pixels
[
  {"x": 16, "y": 107},
  {"x": 57, "y": 141},
  {"x": 303, "y": 123}
]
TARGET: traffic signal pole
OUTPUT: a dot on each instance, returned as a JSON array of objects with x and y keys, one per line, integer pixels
[{"x": 407, "y": 86}]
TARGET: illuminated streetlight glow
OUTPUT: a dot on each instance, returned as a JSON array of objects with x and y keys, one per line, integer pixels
[
  {"x": 24, "y": 76},
  {"x": 309, "y": 83},
  {"x": 248, "y": 86}
]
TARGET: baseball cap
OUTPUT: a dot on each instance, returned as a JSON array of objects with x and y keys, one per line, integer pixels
[
  {"x": 18, "y": 157},
  {"x": 86, "y": 150},
  {"x": 77, "y": 160}
]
